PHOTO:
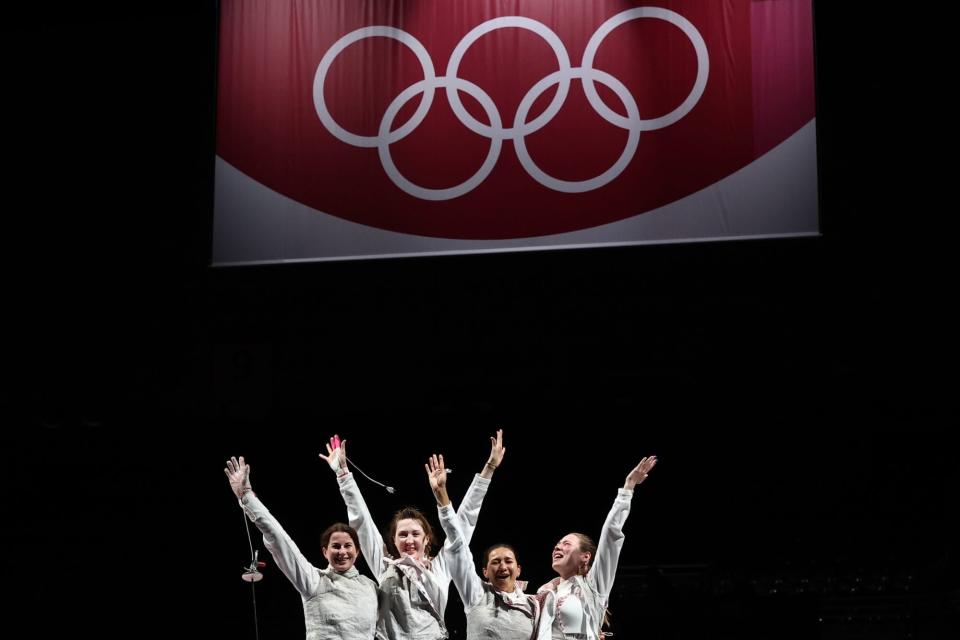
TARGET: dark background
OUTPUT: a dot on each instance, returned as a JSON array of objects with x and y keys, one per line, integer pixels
[{"x": 795, "y": 391}]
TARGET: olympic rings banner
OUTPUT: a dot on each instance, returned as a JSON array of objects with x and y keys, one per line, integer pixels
[{"x": 371, "y": 128}]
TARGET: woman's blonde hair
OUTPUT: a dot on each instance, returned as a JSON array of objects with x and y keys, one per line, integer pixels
[{"x": 587, "y": 545}]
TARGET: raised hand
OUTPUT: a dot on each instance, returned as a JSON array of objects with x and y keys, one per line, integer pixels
[
  {"x": 238, "y": 473},
  {"x": 336, "y": 454},
  {"x": 497, "y": 451},
  {"x": 639, "y": 473},
  {"x": 437, "y": 475}
]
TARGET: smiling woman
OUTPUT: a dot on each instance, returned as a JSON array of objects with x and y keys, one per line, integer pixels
[
  {"x": 413, "y": 584},
  {"x": 497, "y": 608},
  {"x": 338, "y": 602},
  {"x": 340, "y": 545},
  {"x": 575, "y": 604}
]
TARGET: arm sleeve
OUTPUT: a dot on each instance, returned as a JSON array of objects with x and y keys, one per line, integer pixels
[
  {"x": 604, "y": 567},
  {"x": 371, "y": 542},
  {"x": 304, "y": 576},
  {"x": 459, "y": 559},
  {"x": 467, "y": 515}
]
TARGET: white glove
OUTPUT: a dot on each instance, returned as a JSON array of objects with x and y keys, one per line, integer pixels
[{"x": 336, "y": 455}]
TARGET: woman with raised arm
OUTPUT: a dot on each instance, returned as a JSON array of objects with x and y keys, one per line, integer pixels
[
  {"x": 496, "y": 609},
  {"x": 575, "y": 603},
  {"x": 338, "y": 602},
  {"x": 413, "y": 584}
]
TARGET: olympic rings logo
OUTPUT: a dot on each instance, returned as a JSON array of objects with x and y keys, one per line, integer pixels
[{"x": 495, "y": 131}]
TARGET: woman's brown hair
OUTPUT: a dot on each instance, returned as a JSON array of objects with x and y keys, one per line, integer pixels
[{"x": 408, "y": 513}]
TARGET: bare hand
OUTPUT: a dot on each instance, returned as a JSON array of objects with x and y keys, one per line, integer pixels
[
  {"x": 238, "y": 473},
  {"x": 497, "y": 450},
  {"x": 436, "y": 473},
  {"x": 639, "y": 473}
]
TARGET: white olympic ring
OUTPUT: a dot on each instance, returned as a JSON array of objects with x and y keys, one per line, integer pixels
[{"x": 495, "y": 131}]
